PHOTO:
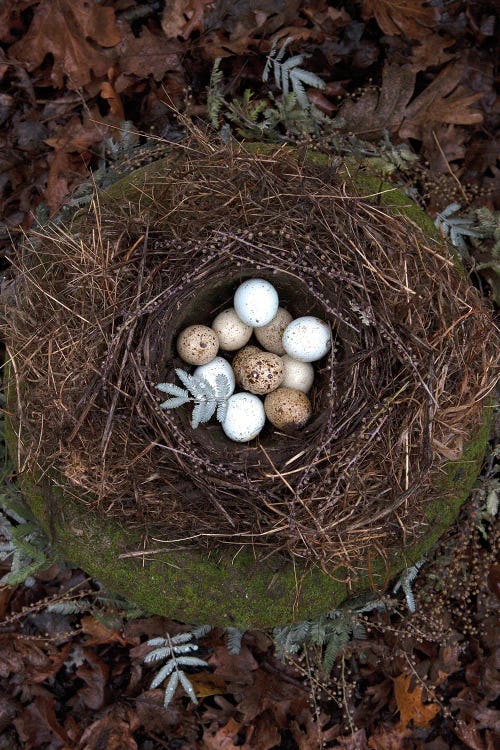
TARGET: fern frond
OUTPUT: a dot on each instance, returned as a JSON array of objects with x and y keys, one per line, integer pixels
[
  {"x": 234, "y": 636},
  {"x": 222, "y": 386},
  {"x": 172, "y": 390},
  {"x": 174, "y": 403},
  {"x": 200, "y": 631},
  {"x": 171, "y": 688},
  {"x": 222, "y": 411},
  {"x": 191, "y": 661},
  {"x": 188, "y": 688},
  {"x": 215, "y": 99},
  {"x": 162, "y": 675},
  {"x": 289, "y": 73},
  {"x": 69, "y": 608},
  {"x": 157, "y": 654}
]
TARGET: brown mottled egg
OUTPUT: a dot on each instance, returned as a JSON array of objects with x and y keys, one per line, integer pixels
[
  {"x": 287, "y": 408},
  {"x": 197, "y": 345},
  {"x": 261, "y": 372},
  {"x": 239, "y": 359},
  {"x": 270, "y": 336}
]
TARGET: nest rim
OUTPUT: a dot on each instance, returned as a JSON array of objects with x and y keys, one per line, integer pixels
[{"x": 186, "y": 317}]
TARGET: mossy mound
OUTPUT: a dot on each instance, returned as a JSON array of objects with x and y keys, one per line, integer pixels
[{"x": 185, "y": 523}]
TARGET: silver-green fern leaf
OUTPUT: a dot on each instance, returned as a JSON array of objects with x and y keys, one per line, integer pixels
[
  {"x": 22, "y": 545},
  {"x": 206, "y": 398},
  {"x": 289, "y": 75},
  {"x": 176, "y": 652},
  {"x": 455, "y": 228},
  {"x": 405, "y": 582},
  {"x": 233, "y": 638}
]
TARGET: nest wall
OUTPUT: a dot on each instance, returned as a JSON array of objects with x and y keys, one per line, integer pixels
[{"x": 100, "y": 301}]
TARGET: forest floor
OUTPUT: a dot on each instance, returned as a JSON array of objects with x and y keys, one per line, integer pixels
[{"x": 80, "y": 83}]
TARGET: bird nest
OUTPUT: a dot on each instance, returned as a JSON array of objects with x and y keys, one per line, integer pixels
[{"x": 101, "y": 299}]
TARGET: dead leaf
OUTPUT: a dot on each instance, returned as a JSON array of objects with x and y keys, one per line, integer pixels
[
  {"x": 113, "y": 732},
  {"x": 38, "y": 724},
  {"x": 99, "y": 633},
  {"x": 63, "y": 29},
  {"x": 412, "y": 18},
  {"x": 205, "y": 684},
  {"x": 115, "y": 103},
  {"x": 378, "y": 111},
  {"x": 57, "y": 184},
  {"x": 148, "y": 54},
  {"x": 310, "y": 735},
  {"x": 262, "y": 734},
  {"x": 430, "y": 52},
  {"x": 225, "y": 738},
  {"x": 234, "y": 669},
  {"x": 95, "y": 673},
  {"x": 182, "y": 17},
  {"x": 470, "y": 736},
  {"x": 446, "y": 664},
  {"x": 9, "y": 708},
  {"x": 444, "y": 101},
  {"x": 11, "y": 20},
  {"x": 410, "y": 704},
  {"x": 388, "y": 737}
]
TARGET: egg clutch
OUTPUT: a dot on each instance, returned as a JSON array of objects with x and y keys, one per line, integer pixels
[{"x": 280, "y": 371}]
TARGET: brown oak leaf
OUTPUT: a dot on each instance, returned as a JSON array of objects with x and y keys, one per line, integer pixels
[
  {"x": 430, "y": 52},
  {"x": 445, "y": 100},
  {"x": 182, "y": 17},
  {"x": 62, "y": 29},
  {"x": 412, "y": 18},
  {"x": 410, "y": 704},
  {"x": 378, "y": 111},
  {"x": 113, "y": 731},
  {"x": 148, "y": 54}
]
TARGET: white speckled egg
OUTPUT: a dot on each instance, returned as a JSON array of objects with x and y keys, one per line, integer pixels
[
  {"x": 217, "y": 366},
  {"x": 261, "y": 372},
  {"x": 245, "y": 417},
  {"x": 256, "y": 302},
  {"x": 232, "y": 332},
  {"x": 307, "y": 339},
  {"x": 287, "y": 408},
  {"x": 298, "y": 375},
  {"x": 270, "y": 336},
  {"x": 197, "y": 345}
]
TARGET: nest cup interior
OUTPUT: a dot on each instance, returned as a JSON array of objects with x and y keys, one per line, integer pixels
[
  {"x": 203, "y": 307},
  {"x": 98, "y": 314}
]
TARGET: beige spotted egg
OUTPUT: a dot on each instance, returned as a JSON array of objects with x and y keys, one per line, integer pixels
[
  {"x": 197, "y": 345},
  {"x": 287, "y": 408},
  {"x": 270, "y": 336},
  {"x": 232, "y": 332},
  {"x": 261, "y": 372}
]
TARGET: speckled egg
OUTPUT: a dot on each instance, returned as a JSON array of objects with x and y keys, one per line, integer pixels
[
  {"x": 270, "y": 336},
  {"x": 231, "y": 331},
  {"x": 307, "y": 339},
  {"x": 298, "y": 375},
  {"x": 238, "y": 362},
  {"x": 197, "y": 345},
  {"x": 218, "y": 366},
  {"x": 287, "y": 408},
  {"x": 256, "y": 302},
  {"x": 245, "y": 417},
  {"x": 261, "y": 372}
]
